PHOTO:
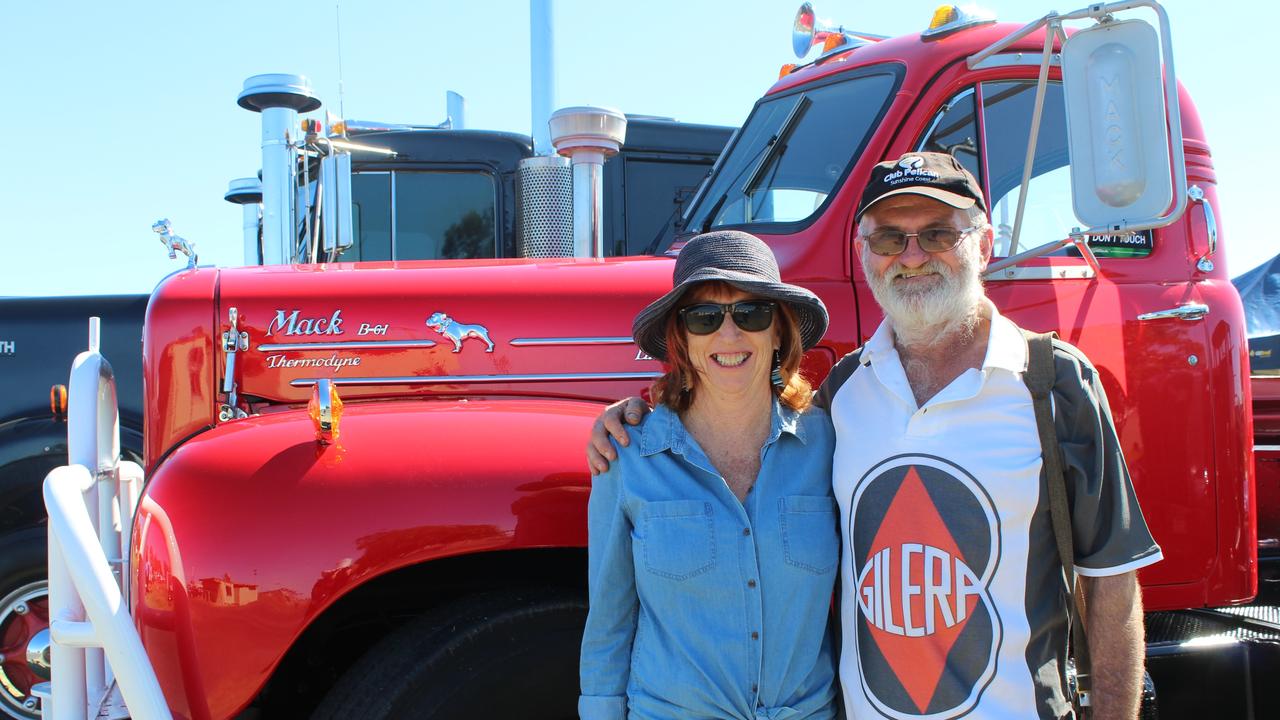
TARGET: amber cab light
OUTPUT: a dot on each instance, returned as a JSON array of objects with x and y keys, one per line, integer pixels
[
  {"x": 325, "y": 410},
  {"x": 58, "y": 402}
]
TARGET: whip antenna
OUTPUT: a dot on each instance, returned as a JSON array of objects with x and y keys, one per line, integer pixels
[{"x": 337, "y": 19}]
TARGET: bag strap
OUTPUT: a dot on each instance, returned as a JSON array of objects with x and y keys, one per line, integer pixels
[{"x": 1039, "y": 379}]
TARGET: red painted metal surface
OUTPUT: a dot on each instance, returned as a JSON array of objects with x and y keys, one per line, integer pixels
[
  {"x": 178, "y": 360},
  {"x": 249, "y": 533},
  {"x": 1266, "y": 432}
]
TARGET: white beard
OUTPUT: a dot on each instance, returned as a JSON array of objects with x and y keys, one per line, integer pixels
[{"x": 926, "y": 315}]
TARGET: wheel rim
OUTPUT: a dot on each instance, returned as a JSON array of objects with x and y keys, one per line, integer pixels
[{"x": 24, "y": 613}]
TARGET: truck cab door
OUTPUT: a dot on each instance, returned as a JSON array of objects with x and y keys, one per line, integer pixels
[{"x": 1159, "y": 373}]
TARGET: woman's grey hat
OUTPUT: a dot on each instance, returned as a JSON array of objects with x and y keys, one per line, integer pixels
[{"x": 741, "y": 260}]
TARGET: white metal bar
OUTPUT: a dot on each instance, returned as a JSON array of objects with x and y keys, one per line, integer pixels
[
  {"x": 91, "y": 575},
  {"x": 1042, "y": 84},
  {"x": 74, "y": 633},
  {"x": 66, "y": 663}
]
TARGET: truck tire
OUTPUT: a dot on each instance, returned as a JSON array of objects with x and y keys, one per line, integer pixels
[
  {"x": 24, "y": 613},
  {"x": 499, "y": 655}
]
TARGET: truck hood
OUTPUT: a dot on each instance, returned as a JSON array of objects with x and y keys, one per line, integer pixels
[{"x": 549, "y": 327}]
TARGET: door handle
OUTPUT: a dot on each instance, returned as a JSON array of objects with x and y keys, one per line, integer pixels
[{"x": 1190, "y": 311}]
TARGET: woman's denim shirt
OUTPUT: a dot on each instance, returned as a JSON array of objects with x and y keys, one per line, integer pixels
[{"x": 703, "y": 606}]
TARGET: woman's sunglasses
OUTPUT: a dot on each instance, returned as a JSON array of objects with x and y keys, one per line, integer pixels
[{"x": 748, "y": 315}]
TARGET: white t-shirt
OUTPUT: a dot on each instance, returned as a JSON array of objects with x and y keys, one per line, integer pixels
[{"x": 953, "y": 598}]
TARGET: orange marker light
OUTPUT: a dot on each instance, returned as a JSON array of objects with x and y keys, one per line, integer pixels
[
  {"x": 942, "y": 15},
  {"x": 786, "y": 70},
  {"x": 58, "y": 401},
  {"x": 833, "y": 41},
  {"x": 325, "y": 410}
]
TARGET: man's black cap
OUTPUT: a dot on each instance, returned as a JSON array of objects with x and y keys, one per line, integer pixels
[{"x": 936, "y": 175}]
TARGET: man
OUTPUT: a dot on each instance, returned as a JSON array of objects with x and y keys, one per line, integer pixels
[{"x": 953, "y": 600}]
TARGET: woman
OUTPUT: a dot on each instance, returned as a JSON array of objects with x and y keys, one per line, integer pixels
[{"x": 713, "y": 542}]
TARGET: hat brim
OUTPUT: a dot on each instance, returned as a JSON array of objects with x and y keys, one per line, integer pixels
[
  {"x": 649, "y": 328},
  {"x": 955, "y": 200}
]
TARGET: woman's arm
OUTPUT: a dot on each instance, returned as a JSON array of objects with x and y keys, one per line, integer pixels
[{"x": 605, "y": 666}]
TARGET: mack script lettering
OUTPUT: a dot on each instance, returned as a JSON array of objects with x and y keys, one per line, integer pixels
[
  {"x": 292, "y": 324},
  {"x": 333, "y": 361}
]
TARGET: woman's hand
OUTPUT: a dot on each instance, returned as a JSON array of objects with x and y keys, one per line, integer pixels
[{"x": 610, "y": 424}]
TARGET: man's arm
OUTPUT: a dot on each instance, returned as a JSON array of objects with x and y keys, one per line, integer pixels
[
  {"x": 1113, "y": 622},
  {"x": 599, "y": 450}
]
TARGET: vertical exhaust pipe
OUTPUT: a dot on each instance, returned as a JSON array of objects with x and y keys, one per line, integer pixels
[
  {"x": 247, "y": 193},
  {"x": 279, "y": 98},
  {"x": 587, "y": 136},
  {"x": 542, "y": 72}
]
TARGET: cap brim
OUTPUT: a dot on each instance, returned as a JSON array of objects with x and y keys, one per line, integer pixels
[{"x": 955, "y": 200}]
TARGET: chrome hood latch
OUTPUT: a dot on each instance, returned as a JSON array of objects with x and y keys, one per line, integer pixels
[{"x": 233, "y": 341}]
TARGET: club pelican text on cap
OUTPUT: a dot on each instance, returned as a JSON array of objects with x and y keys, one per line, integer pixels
[{"x": 935, "y": 175}]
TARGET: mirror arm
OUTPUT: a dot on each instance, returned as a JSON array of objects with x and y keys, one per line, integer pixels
[
  {"x": 1078, "y": 237},
  {"x": 1042, "y": 83}
]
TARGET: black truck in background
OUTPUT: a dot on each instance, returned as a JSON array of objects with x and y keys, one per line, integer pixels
[{"x": 444, "y": 194}]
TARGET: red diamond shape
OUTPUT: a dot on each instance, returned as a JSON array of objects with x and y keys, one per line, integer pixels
[{"x": 915, "y": 646}]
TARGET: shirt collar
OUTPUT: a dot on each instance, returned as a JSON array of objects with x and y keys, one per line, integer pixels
[
  {"x": 663, "y": 430},
  {"x": 1006, "y": 348}
]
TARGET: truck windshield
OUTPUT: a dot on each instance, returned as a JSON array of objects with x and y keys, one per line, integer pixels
[{"x": 792, "y": 153}]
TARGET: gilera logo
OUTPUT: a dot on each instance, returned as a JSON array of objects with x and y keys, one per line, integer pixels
[
  {"x": 925, "y": 543},
  {"x": 292, "y": 324},
  {"x": 457, "y": 332}
]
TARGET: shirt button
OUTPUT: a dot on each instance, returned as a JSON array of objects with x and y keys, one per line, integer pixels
[
  {"x": 755, "y": 635},
  {"x": 755, "y": 688},
  {"x": 751, "y": 583},
  {"x": 746, "y": 531}
]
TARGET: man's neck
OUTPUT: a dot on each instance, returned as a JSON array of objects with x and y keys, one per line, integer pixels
[{"x": 932, "y": 364}]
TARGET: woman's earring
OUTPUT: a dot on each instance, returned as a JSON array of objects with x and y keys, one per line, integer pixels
[{"x": 776, "y": 377}]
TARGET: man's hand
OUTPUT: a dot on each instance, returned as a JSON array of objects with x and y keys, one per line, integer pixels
[
  {"x": 599, "y": 450},
  {"x": 1113, "y": 622}
]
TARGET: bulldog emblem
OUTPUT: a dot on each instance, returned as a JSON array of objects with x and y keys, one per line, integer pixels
[{"x": 457, "y": 332}]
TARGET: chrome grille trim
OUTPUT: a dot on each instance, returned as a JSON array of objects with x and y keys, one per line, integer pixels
[
  {"x": 532, "y": 342},
  {"x": 355, "y": 345},
  {"x": 465, "y": 379}
]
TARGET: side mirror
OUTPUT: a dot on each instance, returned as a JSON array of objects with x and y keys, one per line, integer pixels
[
  {"x": 335, "y": 178},
  {"x": 1123, "y": 175}
]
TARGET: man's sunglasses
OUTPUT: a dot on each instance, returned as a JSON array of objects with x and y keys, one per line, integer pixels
[
  {"x": 931, "y": 240},
  {"x": 748, "y": 315}
]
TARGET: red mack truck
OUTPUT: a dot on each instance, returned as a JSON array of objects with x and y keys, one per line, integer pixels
[{"x": 363, "y": 490}]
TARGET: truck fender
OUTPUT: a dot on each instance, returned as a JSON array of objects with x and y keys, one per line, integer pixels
[{"x": 263, "y": 527}]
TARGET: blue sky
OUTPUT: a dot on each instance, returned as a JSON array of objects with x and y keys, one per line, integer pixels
[{"x": 116, "y": 114}]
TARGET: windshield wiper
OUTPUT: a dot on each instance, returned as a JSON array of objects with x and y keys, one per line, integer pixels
[
  {"x": 776, "y": 145},
  {"x": 767, "y": 153}
]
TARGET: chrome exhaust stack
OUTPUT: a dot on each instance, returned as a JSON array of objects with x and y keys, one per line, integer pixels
[
  {"x": 279, "y": 98},
  {"x": 247, "y": 193},
  {"x": 587, "y": 136}
]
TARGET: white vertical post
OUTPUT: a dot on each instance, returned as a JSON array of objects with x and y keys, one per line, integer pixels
[
  {"x": 456, "y": 109},
  {"x": 66, "y": 663},
  {"x": 542, "y": 72}
]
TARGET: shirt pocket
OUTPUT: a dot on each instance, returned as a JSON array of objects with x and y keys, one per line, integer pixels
[
  {"x": 810, "y": 540},
  {"x": 679, "y": 538}
]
